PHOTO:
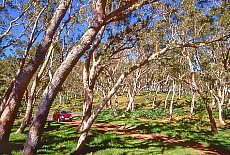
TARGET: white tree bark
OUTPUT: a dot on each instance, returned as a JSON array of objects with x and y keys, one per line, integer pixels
[
  {"x": 192, "y": 104},
  {"x": 166, "y": 100},
  {"x": 172, "y": 100}
]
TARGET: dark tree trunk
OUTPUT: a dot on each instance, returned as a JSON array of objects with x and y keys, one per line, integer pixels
[{"x": 12, "y": 104}]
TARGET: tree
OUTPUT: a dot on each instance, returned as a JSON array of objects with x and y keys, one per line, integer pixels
[
  {"x": 72, "y": 58},
  {"x": 12, "y": 100}
]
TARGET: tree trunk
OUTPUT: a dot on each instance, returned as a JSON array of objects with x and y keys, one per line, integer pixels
[
  {"x": 166, "y": 99},
  {"x": 87, "y": 107},
  {"x": 32, "y": 97},
  {"x": 115, "y": 106},
  {"x": 22, "y": 80},
  {"x": 179, "y": 95},
  {"x": 130, "y": 106},
  {"x": 194, "y": 85},
  {"x": 221, "y": 95},
  {"x": 88, "y": 95},
  {"x": 81, "y": 142},
  {"x": 211, "y": 118},
  {"x": 171, "y": 103},
  {"x": 154, "y": 98},
  {"x": 90, "y": 121},
  {"x": 192, "y": 103},
  {"x": 51, "y": 90},
  {"x": 111, "y": 93},
  {"x": 26, "y": 119}
]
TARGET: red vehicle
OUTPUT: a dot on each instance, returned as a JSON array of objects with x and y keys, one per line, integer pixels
[{"x": 62, "y": 115}]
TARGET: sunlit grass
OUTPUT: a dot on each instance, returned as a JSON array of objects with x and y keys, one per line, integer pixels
[{"x": 60, "y": 138}]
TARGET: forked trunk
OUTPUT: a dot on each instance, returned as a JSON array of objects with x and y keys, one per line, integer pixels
[{"x": 130, "y": 106}]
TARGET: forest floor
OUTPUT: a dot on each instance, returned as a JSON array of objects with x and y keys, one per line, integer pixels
[
  {"x": 121, "y": 129},
  {"x": 145, "y": 131}
]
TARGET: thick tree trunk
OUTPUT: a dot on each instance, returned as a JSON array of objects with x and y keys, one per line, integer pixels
[
  {"x": 32, "y": 97},
  {"x": 22, "y": 80},
  {"x": 53, "y": 87}
]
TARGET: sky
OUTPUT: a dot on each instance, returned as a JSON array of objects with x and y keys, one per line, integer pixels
[{"x": 80, "y": 28}]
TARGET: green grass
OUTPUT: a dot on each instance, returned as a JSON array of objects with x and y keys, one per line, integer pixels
[{"x": 59, "y": 138}]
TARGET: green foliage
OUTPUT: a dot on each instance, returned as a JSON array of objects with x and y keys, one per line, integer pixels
[
  {"x": 178, "y": 111},
  {"x": 187, "y": 95},
  {"x": 150, "y": 114},
  {"x": 200, "y": 104},
  {"x": 226, "y": 113}
]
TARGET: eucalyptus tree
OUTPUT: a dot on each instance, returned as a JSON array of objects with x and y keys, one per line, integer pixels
[
  {"x": 100, "y": 19},
  {"x": 12, "y": 100},
  {"x": 196, "y": 31},
  {"x": 32, "y": 94}
]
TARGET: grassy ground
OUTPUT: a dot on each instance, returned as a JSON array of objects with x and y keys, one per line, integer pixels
[{"x": 144, "y": 131}]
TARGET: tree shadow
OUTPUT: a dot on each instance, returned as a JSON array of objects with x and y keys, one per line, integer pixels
[{"x": 190, "y": 139}]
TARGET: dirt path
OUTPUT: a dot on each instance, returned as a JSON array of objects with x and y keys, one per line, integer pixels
[{"x": 159, "y": 137}]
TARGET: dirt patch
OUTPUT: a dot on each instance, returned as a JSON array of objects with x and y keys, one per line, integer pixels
[{"x": 159, "y": 137}]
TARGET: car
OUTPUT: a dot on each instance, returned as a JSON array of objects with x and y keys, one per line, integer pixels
[{"x": 61, "y": 116}]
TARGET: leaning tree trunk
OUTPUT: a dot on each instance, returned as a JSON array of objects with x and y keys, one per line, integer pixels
[
  {"x": 51, "y": 90},
  {"x": 93, "y": 116},
  {"x": 32, "y": 97},
  {"x": 194, "y": 85},
  {"x": 22, "y": 80},
  {"x": 110, "y": 94}
]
